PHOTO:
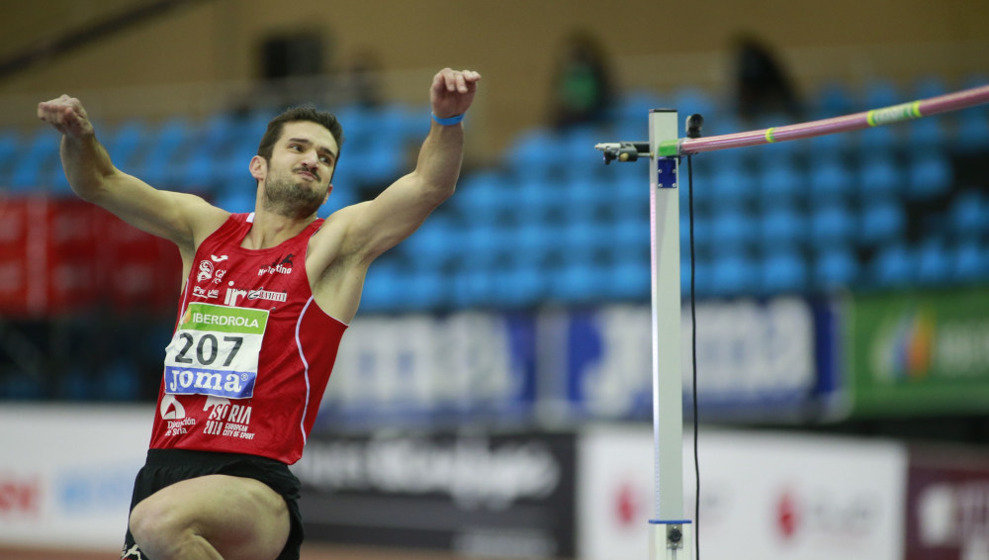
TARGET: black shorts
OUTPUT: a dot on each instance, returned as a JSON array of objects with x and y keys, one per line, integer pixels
[{"x": 165, "y": 467}]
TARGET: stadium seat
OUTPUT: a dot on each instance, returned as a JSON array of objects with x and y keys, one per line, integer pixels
[
  {"x": 434, "y": 245},
  {"x": 880, "y": 223},
  {"x": 782, "y": 225},
  {"x": 933, "y": 263},
  {"x": 382, "y": 287},
  {"x": 781, "y": 182},
  {"x": 929, "y": 175},
  {"x": 969, "y": 214},
  {"x": 831, "y": 180},
  {"x": 835, "y": 267},
  {"x": 731, "y": 231},
  {"x": 830, "y": 225},
  {"x": 894, "y": 266},
  {"x": 783, "y": 271},
  {"x": 533, "y": 154},
  {"x": 579, "y": 283},
  {"x": 629, "y": 280},
  {"x": 732, "y": 275},
  {"x": 879, "y": 178},
  {"x": 731, "y": 186},
  {"x": 970, "y": 261}
]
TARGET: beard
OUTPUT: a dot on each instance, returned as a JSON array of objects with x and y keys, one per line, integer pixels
[{"x": 286, "y": 196}]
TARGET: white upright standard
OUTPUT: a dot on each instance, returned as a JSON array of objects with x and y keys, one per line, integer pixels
[{"x": 670, "y": 532}]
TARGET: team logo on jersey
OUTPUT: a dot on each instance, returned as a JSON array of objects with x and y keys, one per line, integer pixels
[
  {"x": 205, "y": 294},
  {"x": 280, "y": 266},
  {"x": 233, "y": 295},
  {"x": 205, "y": 271},
  {"x": 221, "y": 258},
  {"x": 202, "y": 381}
]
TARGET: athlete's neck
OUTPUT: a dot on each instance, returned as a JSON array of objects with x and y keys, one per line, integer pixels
[{"x": 271, "y": 229}]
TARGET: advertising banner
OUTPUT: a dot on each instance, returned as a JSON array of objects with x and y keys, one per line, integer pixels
[
  {"x": 753, "y": 358},
  {"x": 947, "y": 504},
  {"x": 507, "y": 495},
  {"x": 424, "y": 368},
  {"x": 919, "y": 353},
  {"x": 770, "y": 496},
  {"x": 59, "y": 255},
  {"x": 67, "y": 472}
]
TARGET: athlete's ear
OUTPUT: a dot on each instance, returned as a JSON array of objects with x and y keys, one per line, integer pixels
[
  {"x": 259, "y": 168},
  {"x": 329, "y": 189}
]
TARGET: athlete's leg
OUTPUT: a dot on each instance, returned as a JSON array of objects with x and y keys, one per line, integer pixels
[{"x": 212, "y": 517}]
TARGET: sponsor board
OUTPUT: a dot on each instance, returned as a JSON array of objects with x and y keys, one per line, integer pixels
[
  {"x": 766, "y": 496},
  {"x": 752, "y": 357},
  {"x": 67, "y": 472},
  {"x": 495, "y": 495},
  {"x": 948, "y": 504},
  {"x": 419, "y": 367},
  {"x": 919, "y": 353}
]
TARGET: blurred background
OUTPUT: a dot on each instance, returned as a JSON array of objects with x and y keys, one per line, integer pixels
[{"x": 493, "y": 397}]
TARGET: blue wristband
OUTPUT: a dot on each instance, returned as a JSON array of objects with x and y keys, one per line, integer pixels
[{"x": 449, "y": 120}]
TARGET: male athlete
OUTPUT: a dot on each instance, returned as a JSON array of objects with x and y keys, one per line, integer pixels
[{"x": 266, "y": 298}]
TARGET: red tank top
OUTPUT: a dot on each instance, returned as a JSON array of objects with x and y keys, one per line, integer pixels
[{"x": 251, "y": 353}]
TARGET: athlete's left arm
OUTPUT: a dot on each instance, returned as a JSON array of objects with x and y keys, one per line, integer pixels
[{"x": 371, "y": 228}]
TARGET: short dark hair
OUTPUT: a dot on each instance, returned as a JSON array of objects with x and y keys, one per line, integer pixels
[{"x": 301, "y": 113}]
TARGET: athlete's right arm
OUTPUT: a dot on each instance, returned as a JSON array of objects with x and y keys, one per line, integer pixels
[{"x": 183, "y": 218}]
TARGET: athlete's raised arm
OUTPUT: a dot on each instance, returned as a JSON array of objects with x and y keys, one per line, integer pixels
[
  {"x": 375, "y": 226},
  {"x": 183, "y": 218}
]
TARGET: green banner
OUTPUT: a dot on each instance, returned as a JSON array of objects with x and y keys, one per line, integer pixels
[{"x": 919, "y": 353}]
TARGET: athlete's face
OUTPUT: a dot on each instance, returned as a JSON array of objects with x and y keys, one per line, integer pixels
[{"x": 296, "y": 180}]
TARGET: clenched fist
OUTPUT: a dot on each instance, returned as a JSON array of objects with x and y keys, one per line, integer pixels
[{"x": 67, "y": 115}]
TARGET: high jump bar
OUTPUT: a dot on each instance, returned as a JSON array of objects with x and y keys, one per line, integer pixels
[{"x": 875, "y": 117}]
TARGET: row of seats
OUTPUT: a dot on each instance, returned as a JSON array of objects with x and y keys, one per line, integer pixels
[{"x": 551, "y": 222}]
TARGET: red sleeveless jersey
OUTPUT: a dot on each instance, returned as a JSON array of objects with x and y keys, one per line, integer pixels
[{"x": 251, "y": 353}]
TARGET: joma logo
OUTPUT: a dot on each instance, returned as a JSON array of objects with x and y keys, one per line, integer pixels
[{"x": 233, "y": 385}]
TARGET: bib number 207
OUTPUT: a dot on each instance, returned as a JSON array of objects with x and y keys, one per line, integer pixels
[{"x": 208, "y": 348}]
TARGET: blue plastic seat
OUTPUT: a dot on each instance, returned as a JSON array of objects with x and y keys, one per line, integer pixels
[
  {"x": 691, "y": 100},
  {"x": 484, "y": 244},
  {"x": 732, "y": 275},
  {"x": 424, "y": 289},
  {"x": 783, "y": 271},
  {"x": 969, "y": 213},
  {"x": 781, "y": 183},
  {"x": 831, "y": 180},
  {"x": 538, "y": 201},
  {"x": 930, "y": 175},
  {"x": 970, "y": 261},
  {"x": 383, "y": 289},
  {"x": 237, "y": 200},
  {"x": 434, "y": 244},
  {"x": 836, "y": 267},
  {"x": 474, "y": 287},
  {"x": 126, "y": 142},
  {"x": 925, "y": 135},
  {"x": 482, "y": 196},
  {"x": 731, "y": 186},
  {"x": 831, "y": 224},
  {"x": 519, "y": 286},
  {"x": 894, "y": 266},
  {"x": 163, "y": 161},
  {"x": 782, "y": 225},
  {"x": 731, "y": 231},
  {"x": 933, "y": 263},
  {"x": 535, "y": 244},
  {"x": 879, "y": 178},
  {"x": 629, "y": 280},
  {"x": 530, "y": 154},
  {"x": 34, "y": 163},
  {"x": 881, "y": 223},
  {"x": 972, "y": 134},
  {"x": 579, "y": 283}
]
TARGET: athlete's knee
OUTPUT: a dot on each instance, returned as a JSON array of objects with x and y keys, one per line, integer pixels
[{"x": 158, "y": 529}]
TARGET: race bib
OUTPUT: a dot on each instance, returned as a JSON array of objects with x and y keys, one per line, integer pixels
[{"x": 215, "y": 351}]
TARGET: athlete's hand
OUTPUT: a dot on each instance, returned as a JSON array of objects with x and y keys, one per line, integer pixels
[
  {"x": 67, "y": 115},
  {"x": 453, "y": 91}
]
